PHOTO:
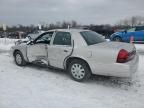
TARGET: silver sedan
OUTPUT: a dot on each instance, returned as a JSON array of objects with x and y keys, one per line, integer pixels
[{"x": 80, "y": 52}]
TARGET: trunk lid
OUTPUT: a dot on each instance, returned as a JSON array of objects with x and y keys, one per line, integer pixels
[{"x": 115, "y": 46}]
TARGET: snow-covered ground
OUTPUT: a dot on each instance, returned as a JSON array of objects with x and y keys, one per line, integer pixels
[
  {"x": 140, "y": 47},
  {"x": 39, "y": 87}
]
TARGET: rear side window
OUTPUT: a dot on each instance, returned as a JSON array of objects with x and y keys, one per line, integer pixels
[
  {"x": 62, "y": 38},
  {"x": 131, "y": 30},
  {"x": 140, "y": 28},
  {"x": 92, "y": 37}
]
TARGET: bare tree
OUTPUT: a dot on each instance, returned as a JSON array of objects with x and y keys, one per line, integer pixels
[
  {"x": 74, "y": 23},
  {"x": 58, "y": 24},
  {"x": 132, "y": 21},
  {"x": 51, "y": 26},
  {"x": 65, "y": 24}
]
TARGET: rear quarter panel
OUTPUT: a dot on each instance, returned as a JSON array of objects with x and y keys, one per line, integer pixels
[{"x": 97, "y": 58}]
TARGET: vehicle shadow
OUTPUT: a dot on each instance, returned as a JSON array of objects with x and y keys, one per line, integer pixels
[
  {"x": 47, "y": 69},
  {"x": 114, "y": 82}
]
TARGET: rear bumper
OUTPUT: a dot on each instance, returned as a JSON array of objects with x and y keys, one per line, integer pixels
[
  {"x": 132, "y": 66},
  {"x": 117, "y": 69}
]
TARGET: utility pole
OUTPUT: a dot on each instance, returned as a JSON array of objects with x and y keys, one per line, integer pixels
[
  {"x": 39, "y": 26},
  {"x": 68, "y": 26},
  {"x": 4, "y": 29}
]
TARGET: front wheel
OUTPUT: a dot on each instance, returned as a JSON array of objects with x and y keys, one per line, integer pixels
[
  {"x": 79, "y": 70},
  {"x": 19, "y": 59},
  {"x": 117, "y": 39}
]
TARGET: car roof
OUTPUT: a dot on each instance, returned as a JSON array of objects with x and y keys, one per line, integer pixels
[
  {"x": 139, "y": 26},
  {"x": 67, "y": 30}
]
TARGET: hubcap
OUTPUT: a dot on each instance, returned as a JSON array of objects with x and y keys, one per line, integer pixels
[
  {"x": 117, "y": 39},
  {"x": 77, "y": 71},
  {"x": 18, "y": 58}
]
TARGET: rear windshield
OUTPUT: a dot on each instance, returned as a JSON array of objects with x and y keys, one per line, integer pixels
[{"x": 92, "y": 38}]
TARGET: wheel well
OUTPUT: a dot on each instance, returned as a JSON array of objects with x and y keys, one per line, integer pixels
[
  {"x": 118, "y": 36},
  {"x": 15, "y": 52},
  {"x": 76, "y": 58}
]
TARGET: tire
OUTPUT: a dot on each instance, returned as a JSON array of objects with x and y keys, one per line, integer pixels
[
  {"x": 19, "y": 59},
  {"x": 79, "y": 70},
  {"x": 117, "y": 39}
]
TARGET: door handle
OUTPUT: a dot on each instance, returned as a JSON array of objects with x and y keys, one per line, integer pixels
[{"x": 65, "y": 50}]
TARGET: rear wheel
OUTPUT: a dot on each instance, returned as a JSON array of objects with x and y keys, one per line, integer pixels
[
  {"x": 19, "y": 59},
  {"x": 79, "y": 70},
  {"x": 117, "y": 39}
]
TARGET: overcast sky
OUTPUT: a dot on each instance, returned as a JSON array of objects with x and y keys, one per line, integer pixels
[{"x": 28, "y": 12}]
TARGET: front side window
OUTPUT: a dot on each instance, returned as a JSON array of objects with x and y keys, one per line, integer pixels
[
  {"x": 45, "y": 38},
  {"x": 62, "y": 38},
  {"x": 140, "y": 28},
  {"x": 131, "y": 30},
  {"x": 92, "y": 38}
]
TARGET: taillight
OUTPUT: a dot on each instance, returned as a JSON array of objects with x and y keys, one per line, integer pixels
[{"x": 122, "y": 56}]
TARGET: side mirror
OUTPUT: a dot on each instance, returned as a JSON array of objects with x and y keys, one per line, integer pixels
[{"x": 31, "y": 42}]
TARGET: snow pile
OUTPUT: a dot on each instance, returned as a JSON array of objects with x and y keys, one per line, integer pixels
[
  {"x": 6, "y": 47},
  {"x": 6, "y": 43},
  {"x": 108, "y": 40}
]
